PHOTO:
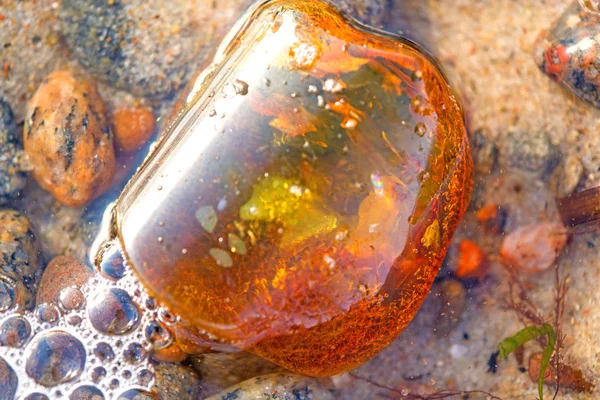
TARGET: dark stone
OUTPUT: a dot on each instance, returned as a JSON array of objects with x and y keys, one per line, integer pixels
[
  {"x": 21, "y": 266},
  {"x": 13, "y": 162},
  {"x": 369, "y": 12}
]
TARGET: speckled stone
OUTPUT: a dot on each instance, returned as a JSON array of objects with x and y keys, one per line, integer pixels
[
  {"x": 29, "y": 49},
  {"x": 146, "y": 47},
  {"x": 531, "y": 152},
  {"x": 176, "y": 382},
  {"x": 21, "y": 265},
  {"x": 62, "y": 272},
  {"x": 221, "y": 370},
  {"x": 13, "y": 162},
  {"x": 276, "y": 387}
]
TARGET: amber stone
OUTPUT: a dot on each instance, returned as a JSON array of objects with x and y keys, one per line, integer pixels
[{"x": 300, "y": 205}]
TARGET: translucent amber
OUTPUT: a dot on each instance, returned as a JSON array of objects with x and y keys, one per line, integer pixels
[{"x": 300, "y": 205}]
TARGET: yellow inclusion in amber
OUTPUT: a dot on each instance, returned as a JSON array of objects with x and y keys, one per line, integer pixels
[{"x": 314, "y": 178}]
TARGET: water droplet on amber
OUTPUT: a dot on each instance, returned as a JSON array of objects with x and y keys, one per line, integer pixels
[{"x": 420, "y": 129}]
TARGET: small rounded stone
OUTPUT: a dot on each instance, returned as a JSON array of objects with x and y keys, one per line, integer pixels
[
  {"x": 176, "y": 382},
  {"x": 15, "y": 331},
  {"x": 86, "y": 392},
  {"x": 21, "y": 266},
  {"x": 68, "y": 139},
  {"x": 113, "y": 312},
  {"x": 133, "y": 127},
  {"x": 62, "y": 273},
  {"x": 8, "y": 380},
  {"x": 55, "y": 357}
]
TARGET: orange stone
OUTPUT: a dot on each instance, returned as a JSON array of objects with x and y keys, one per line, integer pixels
[
  {"x": 472, "y": 261},
  {"x": 133, "y": 127},
  {"x": 301, "y": 204}
]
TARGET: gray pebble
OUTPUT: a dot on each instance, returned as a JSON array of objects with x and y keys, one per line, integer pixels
[
  {"x": 21, "y": 266},
  {"x": 176, "y": 382},
  {"x": 221, "y": 370},
  {"x": 13, "y": 162},
  {"x": 149, "y": 47},
  {"x": 530, "y": 152},
  {"x": 276, "y": 386}
]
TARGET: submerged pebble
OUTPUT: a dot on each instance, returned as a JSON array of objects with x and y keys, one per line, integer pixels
[
  {"x": 21, "y": 265},
  {"x": 146, "y": 47},
  {"x": 13, "y": 162},
  {"x": 567, "y": 52},
  {"x": 133, "y": 127},
  {"x": 535, "y": 247},
  {"x": 176, "y": 382},
  {"x": 68, "y": 139}
]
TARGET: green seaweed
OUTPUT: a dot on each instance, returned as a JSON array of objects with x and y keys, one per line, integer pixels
[{"x": 525, "y": 335}]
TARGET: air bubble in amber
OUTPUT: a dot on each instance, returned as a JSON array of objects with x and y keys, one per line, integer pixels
[{"x": 301, "y": 204}]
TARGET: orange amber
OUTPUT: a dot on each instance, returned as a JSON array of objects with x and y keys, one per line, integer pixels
[{"x": 301, "y": 204}]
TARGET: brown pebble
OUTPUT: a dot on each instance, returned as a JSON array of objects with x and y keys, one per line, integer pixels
[
  {"x": 534, "y": 248},
  {"x": 133, "y": 127},
  {"x": 62, "y": 272},
  {"x": 570, "y": 377},
  {"x": 68, "y": 139}
]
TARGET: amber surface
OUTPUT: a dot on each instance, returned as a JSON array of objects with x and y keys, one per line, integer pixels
[{"x": 301, "y": 204}]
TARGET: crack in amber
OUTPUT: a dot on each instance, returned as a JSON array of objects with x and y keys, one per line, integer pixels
[{"x": 302, "y": 203}]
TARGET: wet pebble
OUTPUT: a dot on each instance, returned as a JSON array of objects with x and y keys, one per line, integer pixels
[
  {"x": 472, "y": 262},
  {"x": 535, "y": 247},
  {"x": 60, "y": 281},
  {"x": 148, "y": 48},
  {"x": 21, "y": 265},
  {"x": 176, "y": 382},
  {"x": 8, "y": 380},
  {"x": 113, "y": 312},
  {"x": 285, "y": 386},
  {"x": 221, "y": 370},
  {"x": 13, "y": 162},
  {"x": 531, "y": 152},
  {"x": 133, "y": 127},
  {"x": 68, "y": 139},
  {"x": 55, "y": 357},
  {"x": 567, "y": 52},
  {"x": 15, "y": 331}
]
